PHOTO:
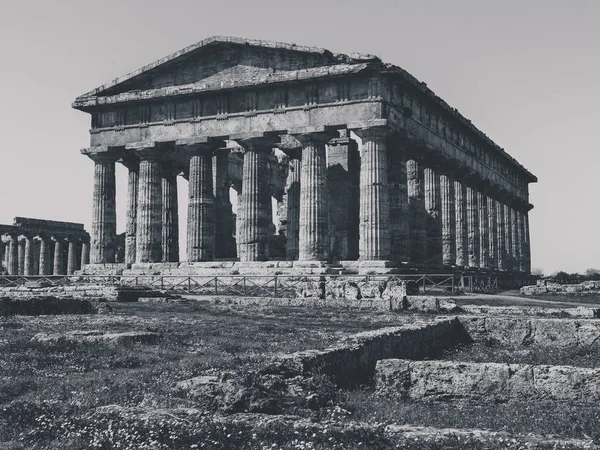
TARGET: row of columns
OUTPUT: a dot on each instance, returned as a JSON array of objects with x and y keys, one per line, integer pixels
[
  {"x": 43, "y": 255},
  {"x": 409, "y": 209}
]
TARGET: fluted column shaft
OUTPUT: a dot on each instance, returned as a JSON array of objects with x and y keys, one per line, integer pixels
[
  {"x": 448, "y": 211},
  {"x": 13, "y": 255},
  {"x": 71, "y": 257},
  {"x": 433, "y": 218},
  {"x": 28, "y": 257},
  {"x": 520, "y": 266},
  {"x": 398, "y": 201},
  {"x": 484, "y": 232},
  {"x": 293, "y": 209},
  {"x": 44, "y": 257},
  {"x": 133, "y": 166},
  {"x": 253, "y": 233},
  {"x": 21, "y": 256},
  {"x": 416, "y": 207},
  {"x": 224, "y": 245},
  {"x": 374, "y": 195},
  {"x": 36, "y": 257},
  {"x": 85, "y": 253},
  {"x": 313, "y": 240},
  {"x": 149, "y": 212},
  {"x": 493, "y": 233},
  {"x": 201, "y": 206},
  {"x": 473, "y": 227},
  {"x": 460, "y": 214},
  {"x": 58, "y": 258},
  {"x": 508, "y": 237},
  {"x": 104, "y": 220},
  {"x": 170, "y": 214},
  {"x": 527, "y": 243},
  {"x": 501, "y": 236}
]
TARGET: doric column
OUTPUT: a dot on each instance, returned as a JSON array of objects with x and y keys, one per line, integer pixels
[
  {"x": 255, "y": 220},
  {"x": 28, "y": 256},
  {"x": 398, "y": 198},
  {"x": 104, "y": 219},
  {"x": 416, "y": 207},
  {"x": 58, "y": 257},
  {"x": 170, "y": 213},
  {"x": 313, "y": 241},
  {"x": 518, "y": 233},
  {"x": 21, "y": 255},
  {"x": 460, "y": 214},
  {"x": 484, "y": 232},
  {"x": 374, "y": 199},
  {"x": 36, "y": 257},
  {"x": 526, "y": 243},
  {"x": 3, "y": 253},
  {"x": 13, "y": 255},
  {"x": 472, "y": 227},
  {"x": 201, "y": 204},
  {"x": 448, "y": 220},
  {"x": 343, "y": 187},
  {"x": 293, "y": 207},
  {"x": 71, "y": 257},
  {"x": 44, "y": 256},
  {"x": 85, "y": 252},
  {"x": 149, "y": 211},
  {"x": 224, "y": 244},
  {"x": 132, "y": 163},
  {"x": 433, "y": 218},
  {"x": 501, "y": 236},
  {"x": 508, "y": 237},
  {"x": 493, "y": 233}
]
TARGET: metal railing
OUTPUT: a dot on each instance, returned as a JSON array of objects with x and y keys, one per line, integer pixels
[{"x": 275, "y": 285}]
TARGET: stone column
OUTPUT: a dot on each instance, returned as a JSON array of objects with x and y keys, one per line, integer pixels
[
  {"x": 493, "y": 233},
  {"x": 293, "y": 207},
  {"x": 527, "y": 243},
  {"x": 374, "y": 196},
  {"x": 149, "y": 211},
  {"x": 518, "y": 233},
  {"x": 170, "y": 213},
  {"x": 473, "y": 227},
  {"x": 44, "y": 255},
  {"x": 448, "y": 220},
  {"x": 508, "y": 238},
  {"x": 460, "y": 213},
  {"x": 132, "y": 163},
  {"x": 255, "y": 220},
  {"x": 501, "y": 236},
  {"x": 13, "y": 255},
  {"x": 416, "y": 207},
  {"x": 343, "y": 187},
  {"x": 484, "y": 232},
  {"x": 224, "y": 245},
  {"x": 104, "y": 220},
  {"x": 201, "y": 204},
  {"x": 28, "y": 256},
  {"x": 85, "y": 253},
  {"x": 58, "y": 257},
  {"x": 36, "y": 257},
  {"x": 433, "y": 218},
  {"x": 313, "y": 241},
  {"x": 71, "y": 257},
  {"x": 398, "y": 198},
  {"x": 3, "y": 253},
  {"x": 21, "y": 255}
]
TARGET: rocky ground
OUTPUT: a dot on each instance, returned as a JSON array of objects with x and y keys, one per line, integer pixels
[{"x": 179, "y": 374}]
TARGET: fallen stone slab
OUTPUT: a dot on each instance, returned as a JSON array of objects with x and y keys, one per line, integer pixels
[
  {"x": 527, "y": 331},
  {"x": 97, "y": 336},
  {"x": 451, "y": 380},
  {"x": 353, "y": 359},
  {"x": 579, "y": 312},
  {"x": 44, "y": 305}
]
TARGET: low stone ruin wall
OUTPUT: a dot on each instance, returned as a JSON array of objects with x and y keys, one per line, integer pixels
[
  {"x": 43, "y": 305},
  {"x": 109, "y": 293},
  {"x": 527, "y": 331},
  {"x": 449, "y": 380},
  {"x": 575, "y": 313},
  {"x": 544, "y": 287},
  {"x": 353, "y": 360}
]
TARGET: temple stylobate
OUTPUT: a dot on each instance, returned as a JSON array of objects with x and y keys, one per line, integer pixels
[{"x": 369, "y": 170}]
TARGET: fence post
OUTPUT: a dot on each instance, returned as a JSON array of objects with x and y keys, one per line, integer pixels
[
  {"x": 189, "y": 285},
  {"x": 453, "y": 283},
  {"x": 245, "y": 291},
  {"x": 216, "y": 285},
  {"x": 275, "y": 285},
  {"x": 424, "y": 286}
]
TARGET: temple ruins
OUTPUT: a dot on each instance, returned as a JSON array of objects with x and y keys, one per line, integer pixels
[
  {"x": 43, "y": 247},
  {"x": 369, "y": 170}
]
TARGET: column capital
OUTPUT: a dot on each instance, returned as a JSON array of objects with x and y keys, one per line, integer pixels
[
  {"x": 371, "y": 131},
  {"x": 200, "y": 144},
  {"x": 102, "y": 153},
  {"x": 131, "y": 161},
  {"x": 146, "y": 150},
  {"x": 256, "y": 141}
]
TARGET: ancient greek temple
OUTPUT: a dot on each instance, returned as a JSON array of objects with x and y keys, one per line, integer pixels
[
  {"x": 43, "y": 247},
  {"x": 369, "y": 171}
]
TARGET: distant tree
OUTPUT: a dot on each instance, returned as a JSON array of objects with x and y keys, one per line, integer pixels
[
  {"x": 537, "y": 272},
  {"x": 561, "y": 277},
  {"x": 592, "y": 274}
]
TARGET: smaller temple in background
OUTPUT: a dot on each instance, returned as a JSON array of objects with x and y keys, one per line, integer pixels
[{"x": 43, "y": 247}]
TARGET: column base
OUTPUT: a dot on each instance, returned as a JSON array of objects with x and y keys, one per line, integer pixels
[{"x": 102, "y": 269}]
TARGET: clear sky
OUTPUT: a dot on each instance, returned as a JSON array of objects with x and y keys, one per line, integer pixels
[{"x": 527, "y": 73}]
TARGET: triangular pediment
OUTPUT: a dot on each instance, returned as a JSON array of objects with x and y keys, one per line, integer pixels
[{"x": 222, "y": 59}]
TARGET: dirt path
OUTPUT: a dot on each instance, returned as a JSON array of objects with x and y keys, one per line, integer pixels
[{"x": 505, "y": 299}]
